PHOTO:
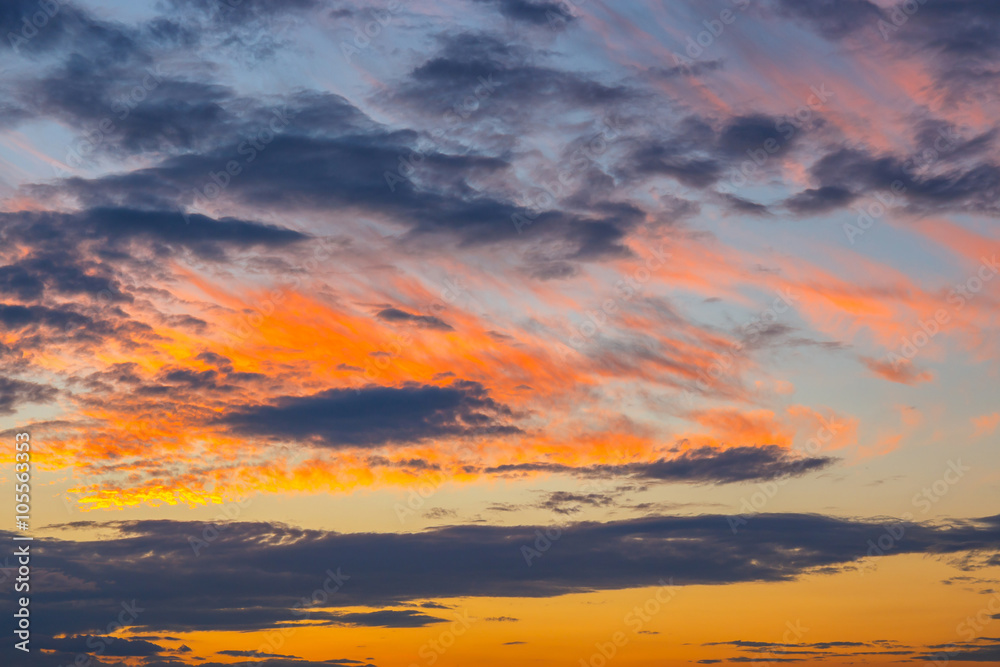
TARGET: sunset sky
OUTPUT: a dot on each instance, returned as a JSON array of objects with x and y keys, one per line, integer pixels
[{"x": 503, "y": 332}]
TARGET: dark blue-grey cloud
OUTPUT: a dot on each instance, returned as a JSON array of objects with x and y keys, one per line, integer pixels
[
  {"x": 567, "y": 502},
  {"x": 833, "y": 19},
  {"x": 60, "y": 271},
  {"x": 504, "y": 80},
  {"x": 957, "y": 37},
  {"x": 374, "y": 416},
  {"x": 735, "y": 464},
  {"x": 128, "y": 109},
  {"x": 112, "y": 646},
  {"x": 384, "y": 618},
  {"x": 278, "y": 662},
  {"x": 30, "y": 28},
  {"x": 14, "y": 392},
  {"x": 988, "y": 652},
  {"x": 232, "y": 12},
  {"x": 401, "y": 316},
  {"x": 319, "y": 151},
  {"x": 350, "y": 172},
  {"x": 247, "y": 654},
  {"x": 847, "y": 173},
  {"x": 662, "y": 159},
  {"x": 15, "y": 317},
  {"x": 180, "y": 591},
  {"x": 37, "y": 327},
  {"x": 819, "y": 200},
  {"x": 113, "y": 228},
  {"x": 751, "y": 133},
  {"x": 537, "y": 12},
  {"x": 700, "y": 151},
  {"x": 741, "y": 205},
  {"x": 700, "y": 465}
]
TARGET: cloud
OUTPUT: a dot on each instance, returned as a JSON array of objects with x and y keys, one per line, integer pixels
[
  {"x": 426, "y": 321},
  {"x": 666, "y": 160},
  {"x": 566, "y": 502},
  {"x": 847, "y": 173},
  {"x": 14, "y": 393},
  {"x": 245, "y": 11},
  {"x": 112, "y": 228},
  {"x": 70, "y": 28},
  {"x": 467, "y": 59},
  {"x": 374, "y": 416},
  {"x": 342, "y": 164},
  {"x": 57, "y": 271},
  {"x": 954, "y": 36},
  {"x": 819, "y": 200},
  {"x": 834, "y": 19},
  {"x": 177, "y": 590},
  {"x": 750, "y": 133},
  {"x": 278, "y": 662},
  {"x": 701, "y": 465},
  {"x": 741, "y": 205},
  {"x": 14, "y": 317},
  {"x": 166, "y": 113},
  {"x": 386, "y": 618},
  {"x": 990, "y": 653},
  {"x": 552, "y": 14},
  {"x": 957, "y": 37},
  {"x": 120, "y": 647},
  {"x": 986, "y": 424},
  {"x": 903, "y": 372},
  {"x": 701, "y": 150},
  {"x": 735, "y": 464}
]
